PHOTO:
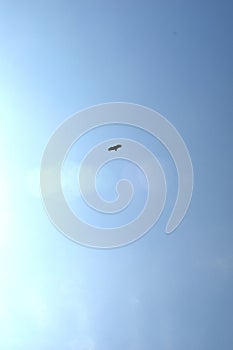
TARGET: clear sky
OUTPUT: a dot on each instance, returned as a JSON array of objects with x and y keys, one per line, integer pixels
[{"x": 161, "y": 292}]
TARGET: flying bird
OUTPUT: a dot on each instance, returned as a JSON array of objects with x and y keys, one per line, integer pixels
[{"x": 114, "y": 148}]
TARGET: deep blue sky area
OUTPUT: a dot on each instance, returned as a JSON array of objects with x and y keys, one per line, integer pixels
[{"x": 162, "y": 292}]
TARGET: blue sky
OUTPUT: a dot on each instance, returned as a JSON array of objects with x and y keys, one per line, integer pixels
[{"x": 161, "y": 292}]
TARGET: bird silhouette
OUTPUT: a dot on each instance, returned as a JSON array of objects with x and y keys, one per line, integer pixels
[{"x": 114, "y": 148}]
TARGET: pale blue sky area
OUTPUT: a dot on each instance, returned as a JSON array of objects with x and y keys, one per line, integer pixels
[{"x": 161, "y": 292}]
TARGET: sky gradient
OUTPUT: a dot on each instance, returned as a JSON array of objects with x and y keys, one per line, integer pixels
[{"x": 161, "y": 292}]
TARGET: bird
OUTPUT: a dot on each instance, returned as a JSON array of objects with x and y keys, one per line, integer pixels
[{"x": 114, "y": 148}]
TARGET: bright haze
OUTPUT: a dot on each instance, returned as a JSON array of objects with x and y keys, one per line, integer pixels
[{"x": 165, "y": 292}]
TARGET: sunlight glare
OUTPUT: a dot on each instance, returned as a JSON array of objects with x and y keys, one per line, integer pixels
[{"x": 4, "y": 209}]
